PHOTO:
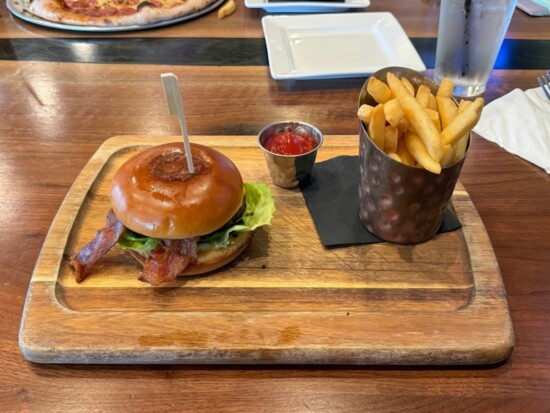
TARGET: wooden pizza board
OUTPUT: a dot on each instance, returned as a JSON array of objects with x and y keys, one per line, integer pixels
[{"x": 286, "y": 299}]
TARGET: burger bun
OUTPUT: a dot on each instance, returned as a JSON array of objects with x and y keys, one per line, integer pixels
[{"x": 154, "y": 194}]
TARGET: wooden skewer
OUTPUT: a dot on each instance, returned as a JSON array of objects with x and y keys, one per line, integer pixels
[{"x": 173, "y": 100}]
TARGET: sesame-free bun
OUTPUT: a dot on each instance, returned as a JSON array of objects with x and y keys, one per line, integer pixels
[
  {"x": 154, "y": 194},
  {"x": 212, "y": 259}
]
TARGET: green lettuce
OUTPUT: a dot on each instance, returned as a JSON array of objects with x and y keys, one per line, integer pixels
[
  {"x": 136, "y": 242},
  {"x": 259, "y": 210}
]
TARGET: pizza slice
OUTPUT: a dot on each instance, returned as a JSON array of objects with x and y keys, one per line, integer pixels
[{"x": 109, "y": 13}]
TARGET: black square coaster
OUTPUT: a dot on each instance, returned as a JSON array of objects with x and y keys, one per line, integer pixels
[{"x": 332, "y": 197}]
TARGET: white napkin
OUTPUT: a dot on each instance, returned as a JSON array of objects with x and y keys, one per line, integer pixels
[
  {"x": 535, "y": 7},
  {"x": 520, "y": 123}
]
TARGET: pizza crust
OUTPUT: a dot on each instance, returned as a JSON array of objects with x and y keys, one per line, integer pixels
[{"x": 52, "y": 10}]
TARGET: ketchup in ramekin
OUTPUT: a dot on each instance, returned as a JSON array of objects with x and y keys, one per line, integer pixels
[
  {"x": 290, "y": 148},
  {"x": 289, "y": 143}
]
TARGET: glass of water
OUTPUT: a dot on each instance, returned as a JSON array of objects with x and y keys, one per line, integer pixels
[{"x": 469, "y": 39}]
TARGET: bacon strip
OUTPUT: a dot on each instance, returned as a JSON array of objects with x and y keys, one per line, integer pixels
[
  {"x": 170, "y": 258},
  {"x": 103, "y": 241}
]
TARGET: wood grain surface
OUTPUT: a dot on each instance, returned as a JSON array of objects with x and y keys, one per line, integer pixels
[
  {"x": 285, "y": 300},
  {"x": 419, "y": 18},
  {"x": 54, "y": 116}
]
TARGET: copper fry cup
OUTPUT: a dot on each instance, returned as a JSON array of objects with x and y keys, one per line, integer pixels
[
  {"x": 287, "y": 171},
  {"x": 397, "y": 202}
]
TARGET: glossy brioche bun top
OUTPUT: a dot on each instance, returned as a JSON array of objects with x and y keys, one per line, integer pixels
[{"x": 154, "y": 194}]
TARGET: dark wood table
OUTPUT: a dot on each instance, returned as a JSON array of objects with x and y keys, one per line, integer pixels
[{"x": 63, "y": 93}]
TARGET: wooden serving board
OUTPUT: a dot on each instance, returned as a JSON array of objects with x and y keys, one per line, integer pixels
[{"x": 287, "y": 299}]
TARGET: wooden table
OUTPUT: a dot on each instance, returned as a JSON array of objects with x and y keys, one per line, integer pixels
[{"x": 63, "y": 93}]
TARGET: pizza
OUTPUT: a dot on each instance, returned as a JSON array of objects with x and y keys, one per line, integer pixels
[{"x": 114, "y": 12}]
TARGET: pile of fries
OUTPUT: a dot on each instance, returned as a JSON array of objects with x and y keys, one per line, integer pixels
[{"x": 419, "y": 129}]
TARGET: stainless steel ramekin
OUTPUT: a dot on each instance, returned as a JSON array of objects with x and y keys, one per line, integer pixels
[{"x": 287, "y": 171}]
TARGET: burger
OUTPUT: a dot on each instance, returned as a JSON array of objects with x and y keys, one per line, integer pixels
[{"x": 174, "y": 222}]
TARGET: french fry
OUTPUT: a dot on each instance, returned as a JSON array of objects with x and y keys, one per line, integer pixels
[
  {"x": 447, "y": 110},
  {"x": 459, "y": 149},
  {"x": 404, "y": 153},
  {"x": 463, "y": 105},
  {"x": 463, "y": 123},
  {"x": 394, "y": 115},
  {"x": 394, "y": 156},
  {"x": 423, "y": 95},
  {"x": 446, "y": 88},
  {"x": 390, "y": 139},
  {"x": 420, "y": 153},
  {"x": 418, "y": 118},
  {"x": 377, "y": 126},
  {"x": 432, "y": 104},
  {"x": 448, "y": 154},
  {"x": 364, "y": 113},
  {"x": 227, "y": 9},
  {"x": 422, "y": 129},
  {"x": 378, "y": 90},
  {"x": 408, "y": 85},
  {"x": 434, "y": 116}
]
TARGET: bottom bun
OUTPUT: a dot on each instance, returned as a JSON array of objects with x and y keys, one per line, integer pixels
[{"x": 212, "y": 259}]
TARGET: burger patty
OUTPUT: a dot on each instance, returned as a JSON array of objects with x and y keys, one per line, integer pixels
[{"x": 235, "y": 218}]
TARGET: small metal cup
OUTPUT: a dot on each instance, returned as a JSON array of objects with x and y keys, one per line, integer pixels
[
  {"x": 287, "y": 171},
  {"x": 397, "y": 202}
]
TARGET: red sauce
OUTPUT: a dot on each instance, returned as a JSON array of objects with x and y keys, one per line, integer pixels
[{"x": 289, "y": 143}]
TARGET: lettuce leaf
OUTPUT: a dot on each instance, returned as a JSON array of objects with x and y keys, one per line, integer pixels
[
  {"x": 259, "y": 211},
  {"x": 139, "y": 243}
]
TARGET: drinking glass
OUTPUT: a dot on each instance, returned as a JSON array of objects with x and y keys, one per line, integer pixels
[{"x": 469, "y": 39}]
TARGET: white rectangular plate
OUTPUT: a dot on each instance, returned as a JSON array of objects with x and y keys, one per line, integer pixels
[
  {"x": 297, "y": 6},
  {"x": 336, "y": 45}
]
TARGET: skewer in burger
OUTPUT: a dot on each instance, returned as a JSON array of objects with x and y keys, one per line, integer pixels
[{"x": 174, "y": 222}]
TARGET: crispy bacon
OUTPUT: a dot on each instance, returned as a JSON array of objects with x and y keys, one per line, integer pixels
[
  {"x": 103, "y": 241},
  {"x": 166, "y": 261},
  {"x": 163, "y": 264}
]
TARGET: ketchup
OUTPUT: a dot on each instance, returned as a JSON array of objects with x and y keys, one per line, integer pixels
[{"x": 289, "y": 143}]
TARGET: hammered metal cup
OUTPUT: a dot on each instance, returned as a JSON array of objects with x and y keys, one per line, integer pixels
[
  {"x": 397, "y": 202},
  {"x": 287, "y": 171}
]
